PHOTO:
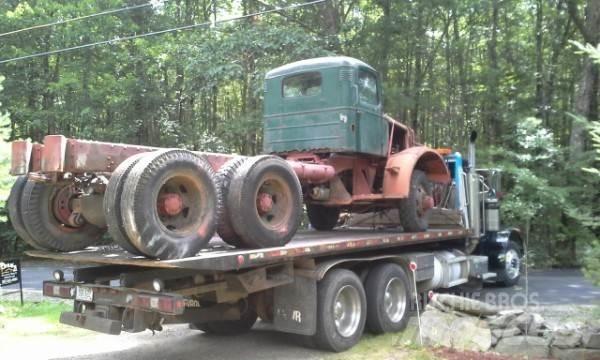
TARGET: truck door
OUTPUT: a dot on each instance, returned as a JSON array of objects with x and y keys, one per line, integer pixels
[{"x": 372, "y": 134}]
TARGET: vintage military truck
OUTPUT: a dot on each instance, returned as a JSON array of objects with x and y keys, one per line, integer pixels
[{"x": 327, "y": 144}]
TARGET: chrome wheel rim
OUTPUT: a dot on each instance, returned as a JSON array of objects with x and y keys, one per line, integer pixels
[
  {"x": 347, "y": 310},
  {"x": 512, "y": 263},
  {"x": 394, "y": 300}
]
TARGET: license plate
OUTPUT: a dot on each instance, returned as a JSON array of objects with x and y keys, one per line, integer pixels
[{"x": 84, "y": 294}]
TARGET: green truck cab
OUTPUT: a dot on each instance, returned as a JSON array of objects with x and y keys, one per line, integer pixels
[{"x": 324, "y": 105}]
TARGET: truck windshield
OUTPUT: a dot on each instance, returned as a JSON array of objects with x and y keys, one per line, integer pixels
[
  {"x": 305, "y": 84},
  {"x": 367, "y": 86}
]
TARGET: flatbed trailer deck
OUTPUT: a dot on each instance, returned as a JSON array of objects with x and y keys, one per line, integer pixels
[{"x": 221, "y": 257}]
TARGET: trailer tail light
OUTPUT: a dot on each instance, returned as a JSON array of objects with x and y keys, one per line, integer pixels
[
  {"x": 163, "y": 304},
  {"x": 59, "y": 290}
]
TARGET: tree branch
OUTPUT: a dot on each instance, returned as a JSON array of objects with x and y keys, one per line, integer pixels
[{"x": 579, "y": 22}]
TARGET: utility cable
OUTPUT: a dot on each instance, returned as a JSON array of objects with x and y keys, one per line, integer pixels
[
  {"x": 160, "y": 32},
  {"x": 60, "y": 22}
]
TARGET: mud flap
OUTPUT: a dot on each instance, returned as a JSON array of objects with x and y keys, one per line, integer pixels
[{"x": 295, "y": 307}]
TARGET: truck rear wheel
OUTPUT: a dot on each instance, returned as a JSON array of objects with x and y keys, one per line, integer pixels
[
  {"x": 341, "y": 310},
  {"x": 169, "y": 204},
  {"x": 388, "y": 298},
  {"x": 322, "y": 217},
  {"x": 112, "y": 203},
  {"x": 46, "y": 214},
  {"x": 230, "y": 327},
  {"x": 224, "y": 175},
  {"x": 16, "y": 216},
  {"x": 414, "y": 209},
  {"x": 265, "y": 202}
]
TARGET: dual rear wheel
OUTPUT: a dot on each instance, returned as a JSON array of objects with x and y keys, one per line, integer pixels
[
  {"x": 168, "y": 204},
  {"x": 345, "y": 307}
]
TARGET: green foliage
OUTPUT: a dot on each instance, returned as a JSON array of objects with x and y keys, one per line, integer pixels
[{"x": 539, "y": 194}]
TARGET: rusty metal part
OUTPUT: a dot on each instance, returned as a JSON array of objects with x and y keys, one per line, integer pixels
[
  {"x": 59, "y": 154},
  {"x": 170, "y": 204},
  {"x": 319, "y": 193},
  {"x": 264, "y": 203},
  {"x": 399, "y": 168},
  {"x": 312, "y": 173},
  {"x": 20, "y": 157},
  {"x": 62, "y": 207},
  {"x": 90, "y": 207}
]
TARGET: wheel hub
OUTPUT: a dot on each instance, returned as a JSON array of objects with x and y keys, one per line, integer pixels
[
  {"x": 170, "y": 204},
  {"x": 264, "y": 203},
  {"x": 62, "y": 207},
  {"x": 512, "y": 263},
  {"x": 347, "y": 311},
  {"x": 394, "y": 300}
]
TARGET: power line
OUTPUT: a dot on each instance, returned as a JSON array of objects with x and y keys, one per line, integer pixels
[
  {"x": 160, "y": 32},
  {"x": 60, "y": 22}
]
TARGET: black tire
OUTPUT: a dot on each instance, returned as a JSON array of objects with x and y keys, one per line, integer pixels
[
  {"x": 328, "y": 337},
  {"x": 321, "y": 217},
  {"x": 393, "y": 278},
  {"x": 112, "y": 203},
  {"x": 277, "y": 180},
  {"x": 224, "y": 175},
  {"x": 16, "y": 216},
  {"x": 412, "y": 217},
  {"x": 230, "y": 327},
  {"x": 43, "y": 226},
  {"x": 164, "y": 236},
  {"x": 504, "y": 276}
]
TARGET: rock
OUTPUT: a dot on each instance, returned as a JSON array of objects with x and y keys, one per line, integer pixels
[
  {"x": 502, "y": 321},
  {"x": 566, "y": 339},
  {"x": 494, "y": 340},
  {"x": 466, "y": 305},
  {"x": 531, "y": 346},
  {"x": 504, "y": 333},
  {"x": 591, "y": 339},
  {"x": 530, "y": 324},
  {"x": 471, "y": 334},
  {"x": 446, "y": 329},
  {"x": 575, "y": 354}
]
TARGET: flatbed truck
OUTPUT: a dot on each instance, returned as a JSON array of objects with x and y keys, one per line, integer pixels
[{"x": 326, "y": 285}]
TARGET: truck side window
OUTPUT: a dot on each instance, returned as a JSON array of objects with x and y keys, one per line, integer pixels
[
  {"x": 306, "y": 84},
  {"x": 367, "y": 87}
]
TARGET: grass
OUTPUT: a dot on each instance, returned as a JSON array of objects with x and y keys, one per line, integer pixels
[
  {"x": 387, "y": 346},
  {"x": 34, "y": 319}
]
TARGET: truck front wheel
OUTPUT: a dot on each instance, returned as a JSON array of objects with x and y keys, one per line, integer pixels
[
  {"x": 414, "y": 209},
  {"x": 511, "y": 272}
]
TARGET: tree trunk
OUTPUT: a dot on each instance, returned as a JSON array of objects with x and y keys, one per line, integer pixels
[{"x": 586, "y": 104}]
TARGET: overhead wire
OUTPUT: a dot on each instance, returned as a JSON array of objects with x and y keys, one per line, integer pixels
[
  {"x": 83, "y": 17},
  {"x": 160, "y": 32}
]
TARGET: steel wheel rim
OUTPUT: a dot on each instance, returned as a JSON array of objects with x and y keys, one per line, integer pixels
[
  {"x": 394, "y": 300},
  {"x": 347, "y": 310},
  {"x": 512, "y": 263},
  {"x": 192, "y": 193},
  {"x": 280, "y": 198}
]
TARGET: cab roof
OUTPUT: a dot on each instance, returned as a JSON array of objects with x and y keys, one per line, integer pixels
[{"x": 316, "y": 64}]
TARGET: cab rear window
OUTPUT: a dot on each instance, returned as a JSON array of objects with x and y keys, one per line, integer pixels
[{"x": 306, "y": 84}]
